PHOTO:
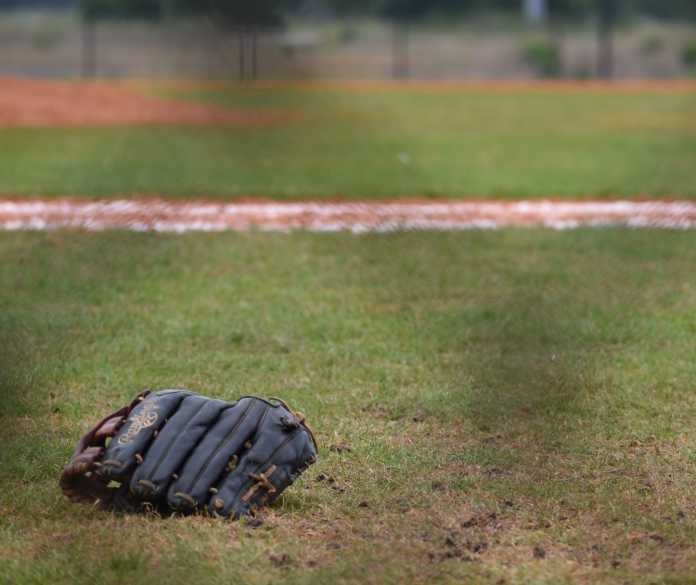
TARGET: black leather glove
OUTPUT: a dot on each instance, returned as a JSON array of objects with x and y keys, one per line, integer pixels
[{"x": 177, "y": 451}]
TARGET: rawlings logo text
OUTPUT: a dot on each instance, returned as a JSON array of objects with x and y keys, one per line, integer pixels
[{"x": 145, "y": 418}]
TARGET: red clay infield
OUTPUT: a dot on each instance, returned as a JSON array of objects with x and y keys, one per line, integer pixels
[{"x": 32, "y": 102}]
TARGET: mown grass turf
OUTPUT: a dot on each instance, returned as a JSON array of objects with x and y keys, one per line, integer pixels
[
  {"x": 377, "y": 143},
  {"x": 518, "y": 406}
]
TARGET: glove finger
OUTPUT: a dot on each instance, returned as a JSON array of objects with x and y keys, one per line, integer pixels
[
  {"x": 218, "y": 450},
  {"x": 276, "y": 475},
  {"x": 278, "y": 454},
  {"x": 173, "y": 444},
  {"x": 135, "y": 435}
]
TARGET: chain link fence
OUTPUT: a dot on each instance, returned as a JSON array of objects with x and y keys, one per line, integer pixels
[{"x": 55, "y": 44}]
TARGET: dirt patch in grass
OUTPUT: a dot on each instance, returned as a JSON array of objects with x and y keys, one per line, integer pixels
[
  {"x": 47, "y": 103},
  {"x": 454, "y": 536},
  {"x": 491, "y": 518}
]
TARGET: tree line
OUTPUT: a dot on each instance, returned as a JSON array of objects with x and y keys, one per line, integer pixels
[
  {"x": 266, "y": 12},
  {"x": 246, "y": 17},
  {"x": 270, "y": 12}
]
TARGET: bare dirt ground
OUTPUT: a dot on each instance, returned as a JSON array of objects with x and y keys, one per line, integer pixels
[
  {"x": 32, "y": 102},
  {"x": 184, "y": 216}
]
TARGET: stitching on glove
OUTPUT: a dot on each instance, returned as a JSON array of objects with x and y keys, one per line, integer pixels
[
  {"x": 262, "y": 481},
  {"x": 151, "y": 486},
  {"x": 232, "y": 463},
  {"x": 190, "y": 499},
  {"x": 300, "y": 417}
]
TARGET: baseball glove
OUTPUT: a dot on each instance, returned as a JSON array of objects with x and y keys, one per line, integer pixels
[{"x": 176, "y": 451}]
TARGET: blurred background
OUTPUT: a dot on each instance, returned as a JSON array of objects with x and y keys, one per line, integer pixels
[{"x": 349, "y": 39}]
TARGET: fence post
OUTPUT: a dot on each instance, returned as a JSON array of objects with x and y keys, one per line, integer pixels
[
  {"x": 254, "y": 53},
  {"x": 400, "y": 54},
  {"x": 242, "y": 56},
  {"x": 89, "y": 47},
  {"x": 605, "y": 41}
]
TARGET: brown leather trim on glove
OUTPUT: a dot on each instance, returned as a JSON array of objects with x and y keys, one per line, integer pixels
[{"x": 77, "y": 480}]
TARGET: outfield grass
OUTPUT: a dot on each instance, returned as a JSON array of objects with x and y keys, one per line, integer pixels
[
  {"x": 377, "y": 143},
  {"x": 519, "y": 405}
]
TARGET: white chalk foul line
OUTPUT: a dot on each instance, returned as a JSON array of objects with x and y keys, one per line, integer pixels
[{"x": 173, "y": 216}]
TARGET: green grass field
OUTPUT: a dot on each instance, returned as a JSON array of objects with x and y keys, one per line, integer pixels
[
  {"x": 519, "y": 405},
  {"x": 377, "y": 143},
  {"x": 510, "y": 407}
]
